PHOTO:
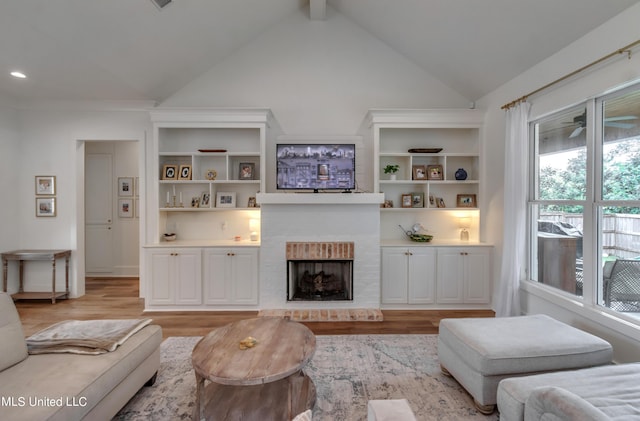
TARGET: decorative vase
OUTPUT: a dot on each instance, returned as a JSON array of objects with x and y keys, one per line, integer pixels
[
  {"x": 392, "y": 176},
  {"x": 461, "y": 174}
]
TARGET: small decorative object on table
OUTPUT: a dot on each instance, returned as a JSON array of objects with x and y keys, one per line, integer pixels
[
  {"x": 211, "y": 174},
  {"x": 170, "y": 236},
  {"x": 248, "y": 342}
]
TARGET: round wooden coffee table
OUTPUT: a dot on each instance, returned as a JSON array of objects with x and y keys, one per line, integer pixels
[{"x": 259, "y": 383}]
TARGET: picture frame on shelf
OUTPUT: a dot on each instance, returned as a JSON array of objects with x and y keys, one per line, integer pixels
[
  {"x": 195, "y": 202},
  {"x": 419, "y": 172},
  {"x": 225, "y": 199},
  {"x": 205, "y": 199},
  {"x": 440, "y": 202},
  {"x": 246, "y": 171},
  {"x": 185, "y": 172},
  {"x": 432, "y": 201},
  {"x": 45, "y": 185},
  {"x": 407, "y": 200},
  {"x": 45, "y": 206},
  {"x": 435, "y": 172},
  {"x": 170, "y": 172},
  {"x": 466, "y": 201},
  {"x": 387, "y": 204},
  {"x": 211, "y": 174},
  {"x": 417, "y": 200},
  {"x": 125, "y": 208},
  {"x": 125, "y": 186},
  {"x": 252, "y": 203}
]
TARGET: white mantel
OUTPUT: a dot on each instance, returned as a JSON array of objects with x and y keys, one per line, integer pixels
[
  {"x": 318, "y": 217},
  {"x": 320, "y": 198}
]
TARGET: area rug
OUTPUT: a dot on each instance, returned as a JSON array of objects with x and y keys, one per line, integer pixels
[{"x": 347, "y": 370}]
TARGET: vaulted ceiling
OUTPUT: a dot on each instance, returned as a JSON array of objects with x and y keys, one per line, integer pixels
[{"x": 133, "y": 50}]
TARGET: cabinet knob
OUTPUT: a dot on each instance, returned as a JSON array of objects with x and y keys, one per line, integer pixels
[
  {"x": 464, "y": 253},
  {"x": 231, "y": 254}
]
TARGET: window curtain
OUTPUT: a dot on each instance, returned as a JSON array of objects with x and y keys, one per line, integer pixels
[{"x": 515, "y": 210}]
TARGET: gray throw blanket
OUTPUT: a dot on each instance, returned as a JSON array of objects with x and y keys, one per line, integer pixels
[{"x": 84, "y": 336}]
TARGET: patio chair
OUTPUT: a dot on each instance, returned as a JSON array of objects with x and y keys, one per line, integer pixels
[{"x": 622, "y": 288}]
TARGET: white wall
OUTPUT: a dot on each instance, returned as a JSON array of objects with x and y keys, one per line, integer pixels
[
  {"x": 318, "y": 77},
  {"x": 51, "y": 138},
  {"x": 614, "y": 34},
  {"x": 9, "y": 179}
]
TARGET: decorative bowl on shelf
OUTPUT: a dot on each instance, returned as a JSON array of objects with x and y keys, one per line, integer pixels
[
  {"x": 421, "y": 238},
  {"x": 170, "y": 237}
]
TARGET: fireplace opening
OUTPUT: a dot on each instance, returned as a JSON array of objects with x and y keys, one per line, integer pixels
[{"x": 319, "y": 280}]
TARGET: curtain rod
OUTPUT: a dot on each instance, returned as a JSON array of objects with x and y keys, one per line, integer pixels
[{"x": 625, "y": 49}]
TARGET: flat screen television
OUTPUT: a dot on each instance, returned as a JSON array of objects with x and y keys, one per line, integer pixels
[{"x": 316, "y": 167}]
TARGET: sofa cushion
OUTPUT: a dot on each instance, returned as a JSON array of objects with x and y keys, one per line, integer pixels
[
  {"x": 551, "y": 403},
  {"x": 613, "y": 389},
  {"x": 72, "y": 384},
  {"x": 13, "y": 347}
]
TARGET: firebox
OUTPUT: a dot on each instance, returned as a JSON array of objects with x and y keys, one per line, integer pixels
[{"x": 319, "y": 271}]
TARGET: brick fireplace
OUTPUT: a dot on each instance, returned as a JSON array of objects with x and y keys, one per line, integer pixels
[
  {"x": 307, "y": 226},
  {"x": 319, "y": 271}
]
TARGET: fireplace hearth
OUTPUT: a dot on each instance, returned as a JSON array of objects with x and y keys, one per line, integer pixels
[{"x": 319, "y": 271}]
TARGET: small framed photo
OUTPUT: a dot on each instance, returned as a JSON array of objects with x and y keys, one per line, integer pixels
[
  {"x": 440, "y": 202},
  {"x": 387, "y": 204},
  {"x": 466, "y": 201},
  {"x": 434, "y": 172},
  {"x": 45, "y": 185},
  {"x": 417, "y": 200},
  {"x": 195, "y": 202},
  {"x": 125, "y": 208},
  {"x": 419, "y": 172},
  {"x": 185, "y": 172},
  {"x": 45, "y": 206},
  {"x": 125, "y": 186},
  {"x": 170, "y": 172},
  {"x": 225, "y": 200},
  {"x": 205, "y": 199},
  {"x": 432, "y": 201},
  {"x": 407, "y": 201},
  {"x": 246, "y": 171},
  {"x": 251, "y": 203}
]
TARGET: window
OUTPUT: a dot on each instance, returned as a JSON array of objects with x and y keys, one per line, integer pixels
[{"x": 584, "y": 201}]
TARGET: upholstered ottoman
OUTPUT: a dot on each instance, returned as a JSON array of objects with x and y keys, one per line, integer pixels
[{"x": 479, "y": 352}]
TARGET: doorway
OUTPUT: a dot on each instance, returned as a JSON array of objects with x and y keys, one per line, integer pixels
[{"x": 111, "y": 209}]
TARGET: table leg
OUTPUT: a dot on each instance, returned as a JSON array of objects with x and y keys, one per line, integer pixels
[
  {"x": 198, "y": 411},
  {"x": 5, "y": 274},
  {"x": 21, "y": 276},
  {"x": 66, "y": 275},
  {"x": 53, "y": 281}
]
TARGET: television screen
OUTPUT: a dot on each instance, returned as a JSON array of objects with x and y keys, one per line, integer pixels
[{"x": 316, "y": 167}]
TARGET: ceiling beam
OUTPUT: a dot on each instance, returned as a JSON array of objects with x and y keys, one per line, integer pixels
[{"x": 317, "y": 9}]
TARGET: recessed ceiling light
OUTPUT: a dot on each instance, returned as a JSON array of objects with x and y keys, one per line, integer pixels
[{"x": 19, "y": 75}]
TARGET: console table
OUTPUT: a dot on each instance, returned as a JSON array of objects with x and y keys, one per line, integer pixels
[{"x": 28, "y": 255}]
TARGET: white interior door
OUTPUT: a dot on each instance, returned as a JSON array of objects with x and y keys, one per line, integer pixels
[{"x": 99, "y": 213}]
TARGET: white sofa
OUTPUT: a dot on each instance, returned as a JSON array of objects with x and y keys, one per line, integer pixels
[
  {"x": 70, "y": 386},
  {"x": 610, "y": 392}
]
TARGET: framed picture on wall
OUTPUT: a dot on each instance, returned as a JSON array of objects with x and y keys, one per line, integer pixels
[
  {"x": 125, "y": 186},
  {"x": 125, "y": 208},
  {"x": 45, "y": 206},
  {"x": 45, "y": 185}
]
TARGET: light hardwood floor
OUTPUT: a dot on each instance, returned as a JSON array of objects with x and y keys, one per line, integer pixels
[{"x": 117, "y": 298}]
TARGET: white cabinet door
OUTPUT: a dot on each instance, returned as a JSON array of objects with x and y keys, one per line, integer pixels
[
  {"x": 231, "y": 276},
  {"x": 422, "y": 275},
  {"x": 175, "y": 276},
  {"x": 244, "y": 275},
  {"x": 478, "y": 276},
  {"x": 450, "y": 278},
  {"x": 464, "y": 275},
  {"x": 394, "y": 275},
  {"x": 188, "y": 276}
]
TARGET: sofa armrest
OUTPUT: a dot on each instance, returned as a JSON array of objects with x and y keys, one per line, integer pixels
[{"x": 550, "y": 403}]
